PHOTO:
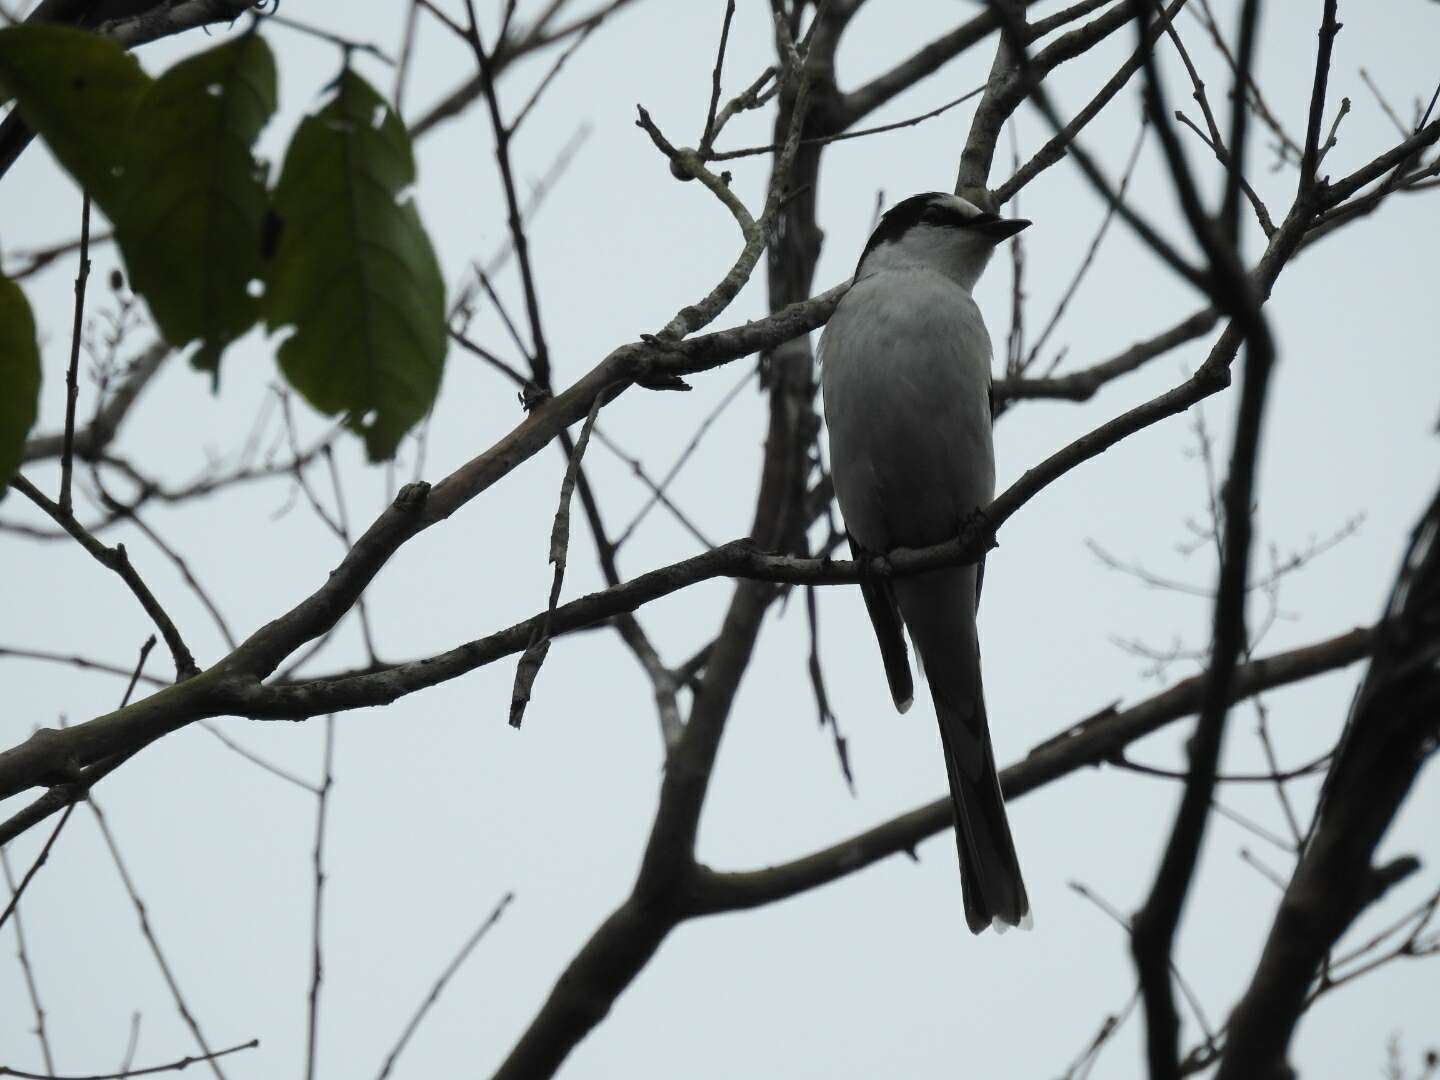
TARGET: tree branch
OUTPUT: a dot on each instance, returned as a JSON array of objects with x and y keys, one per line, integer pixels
[
  {"x": 117, "y": 560},
  {"x": 1392, "y": 729},
  {"x": 95, "y": 437},
  {"x": 1091, "y": 742}
]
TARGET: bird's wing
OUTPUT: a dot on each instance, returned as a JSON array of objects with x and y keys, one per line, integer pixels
[{"x": 880, "y": 602}]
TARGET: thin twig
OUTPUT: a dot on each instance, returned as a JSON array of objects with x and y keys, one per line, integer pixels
[
  {"x": 445, "y": 976},
  {"x": 1254, "y": 828},
  {"x": 317, "y": 965},
  {"x": 407, "y": 51},
  {"x": 117, "y": 560},
  {"x": 504, "y": 367},
  {"x": 534, "y": 655},
  {"x": 343, "y": 520},
  {"x": 84, "y": 663},
  {"x": 826, "y": 140},
  {"x": 1253, "y": 861},
  {"x": 255, "y": 759},
  {"x": 656, "y": 492},
  {"x": 72, "y": 381},
  {"x": 707, "y": 137},
  {"x": 347, "y": 44},
  {"x": 690, "y": 447},
  {"x": 1214, "y": 139},
  {"x": 1385, "y": 105},
  {"x": 539, "y": 350},
  {"x": 1080, "y": 1068},
  {"x": 36, "y": 259},
  {"x": 1089, "y": 258},
  {"x": 534, "y": 199},
  {"x": 131, "y": 1045},
  {"x": 40, "y": 861},
  {"x": 822, "y": 698},
  {"x": 147, "y": 931},
  {"x": 176, "y": 559},
  {"x": 28, "y": 972},
  {"x": 1125, "y": 924},
  {"x": 173, "y": 1066},
  {"x": 1310, "y": 768},
  {"x": 1262, "y": 731},
  {"x": 297, "y": 469},
  {"x": 550, "y": 76}
]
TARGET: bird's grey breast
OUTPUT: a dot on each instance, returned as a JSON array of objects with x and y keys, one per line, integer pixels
[{"x": 905, "y": 371}]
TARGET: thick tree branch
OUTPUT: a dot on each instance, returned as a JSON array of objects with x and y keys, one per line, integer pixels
[
  {"x": 234, "y": 684},
  {"x": 1155, "y": 924},
  {"x": 863, "y": 100},
  {"x": 1059, "y": 144},
  {"x": 1082, "y": 385},
  {"x": 1393, "y": 729},
  {"x": 1012, "y": 81},
  {"x": 1096, "y": 741}
]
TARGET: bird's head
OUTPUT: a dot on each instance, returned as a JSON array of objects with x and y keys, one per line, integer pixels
[{"x": 939, "y": 232}]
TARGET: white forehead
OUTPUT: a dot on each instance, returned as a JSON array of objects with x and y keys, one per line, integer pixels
[{"x": 961, "y": 206}]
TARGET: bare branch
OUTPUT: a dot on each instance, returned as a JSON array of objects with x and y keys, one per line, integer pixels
[
  {"x": 90, "y": 441},
  {"x": 147, "y": 931},
  {"x": 1392, "y": 721},
  {"x": 440, "y": 983},
  {"x": 26, "y": 970},
  {"x": 1156, "y": 922},
  {"x": 1082, "y": 385},
  {"x": 117, "y": 560},
  {"x": 72, "y": 380},
  {"x": 317, "y": 908},
  {"x": 40, "y": 860},
  {"x": 506, "y": 52},
  {"x": 1310, "y": 156},
  {"x": 173, "y": 1066},
  {"x": 539, "y": 645},
  {"x": 1065, "y": 136},
  {"x": 1013, "y": 78},
  {"x": 1091, "y": 742},
  {"x": 863, "y": 100}
]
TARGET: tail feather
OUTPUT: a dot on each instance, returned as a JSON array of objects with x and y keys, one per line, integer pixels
[
  {"x": 939, "y": 610},
  {"x": 989, "y": 869}
]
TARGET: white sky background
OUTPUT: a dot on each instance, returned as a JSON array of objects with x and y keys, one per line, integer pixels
[{"x": 439, "y": 808}]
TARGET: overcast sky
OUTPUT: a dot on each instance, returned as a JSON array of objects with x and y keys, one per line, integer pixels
[{"x": 439, "y": 808}]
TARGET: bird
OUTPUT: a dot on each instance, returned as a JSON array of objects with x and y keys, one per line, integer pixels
[{"x": 906, "y": 389}]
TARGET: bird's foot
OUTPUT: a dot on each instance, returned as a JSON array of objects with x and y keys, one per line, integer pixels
[{"x": 975, "y": 527}]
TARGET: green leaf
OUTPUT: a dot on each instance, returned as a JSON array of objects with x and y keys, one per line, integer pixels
[
  {"x": 190, "y": 215},
  {"x": 77, "y": 90},
  {"x": 354, "y": 272},
  {"x": 19, "y": 378}
]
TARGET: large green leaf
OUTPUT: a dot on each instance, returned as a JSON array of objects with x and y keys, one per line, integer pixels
[
  {"x": 193, "y": 203},
  {"x": 19, "y": 377},
  {"x": 77, "y": 90},
  {"x": 354, "y": 273}
]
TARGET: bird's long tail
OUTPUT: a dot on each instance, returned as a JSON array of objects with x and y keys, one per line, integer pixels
[{"x": 939, "y": 610}]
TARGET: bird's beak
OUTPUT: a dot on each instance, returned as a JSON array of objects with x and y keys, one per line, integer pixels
[{"x": 1001, "y": 228}]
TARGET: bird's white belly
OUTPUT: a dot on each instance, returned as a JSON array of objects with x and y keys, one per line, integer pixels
[{"x": 905, "y": 370}]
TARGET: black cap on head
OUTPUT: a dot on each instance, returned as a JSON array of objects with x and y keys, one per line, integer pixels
[{"x": 943, "y": 210}]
